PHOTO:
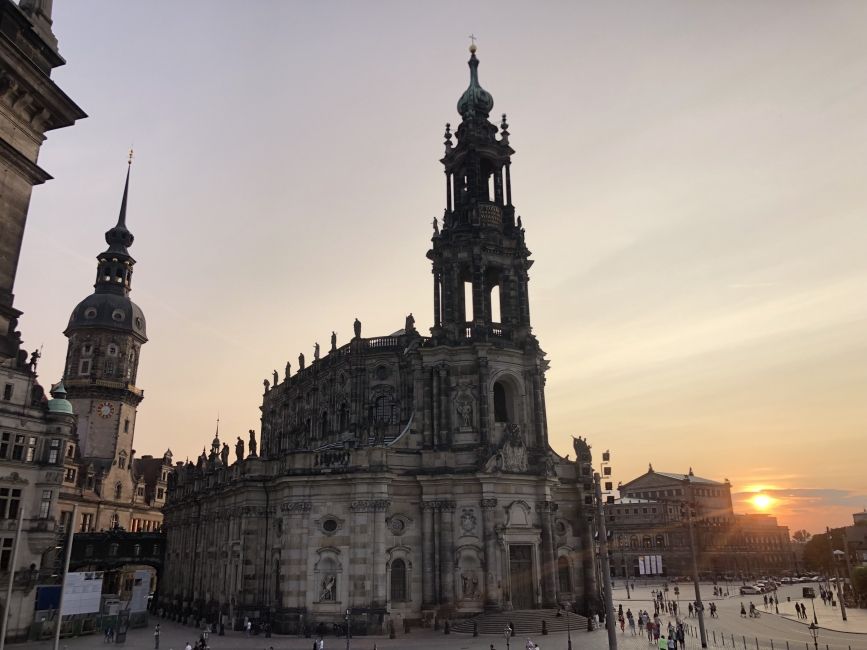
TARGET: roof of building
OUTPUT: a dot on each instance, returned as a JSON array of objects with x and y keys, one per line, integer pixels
[
  {"x": 691, "y": 477},
  {"x": 626, "y": 500}
]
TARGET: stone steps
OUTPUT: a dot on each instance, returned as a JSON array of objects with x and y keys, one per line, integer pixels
[{"x": 527, "y": 622}]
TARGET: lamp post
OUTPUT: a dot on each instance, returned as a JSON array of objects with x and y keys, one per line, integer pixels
[
  {"x": 507, "y": 632},
  {"x": 606, "y": 565},
  {"x": 568, "y": 633},
  {"x": 840, "y": 591},
  {"x": 698, "y": 604},
  {"x": 814, "y": 632},
  {"x": 346, "y": 618}
]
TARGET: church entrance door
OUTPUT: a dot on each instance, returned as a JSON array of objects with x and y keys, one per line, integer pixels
[{"x": 521, "y": 575}]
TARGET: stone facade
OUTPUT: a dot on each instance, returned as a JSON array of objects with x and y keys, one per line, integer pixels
[
  {"x": 30, "y": 105},
  {"x": 401, "y": 476}
]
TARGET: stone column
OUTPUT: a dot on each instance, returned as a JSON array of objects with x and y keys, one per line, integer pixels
[
  {"x": 427, "y": 429},
  {"x": 378, "y": 509},
  {"x": 294, "y": 585},
  {"x": 538, "y": 440},
  {"x": 437, "y": 309},
  {"x": 435, "y": 407},
  {"x": 549, "y": 578},
  {"x": 484, "y": 433},
  {"x": 427, "y": 554},
  {"x": 492, "y": 563},
  {"x": 445, "y": 407},
  {"x": 447, "y": 552}
]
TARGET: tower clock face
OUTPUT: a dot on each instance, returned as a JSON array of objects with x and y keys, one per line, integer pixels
[{"x": 105, "y": 409}]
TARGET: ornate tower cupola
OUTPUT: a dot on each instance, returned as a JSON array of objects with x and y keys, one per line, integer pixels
[
  {"x": 479, "y": 257},
  {"x": 106, "y": 331}
]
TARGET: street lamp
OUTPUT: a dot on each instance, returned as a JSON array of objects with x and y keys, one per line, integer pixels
[
  {"x": 346, "y": 618},
  {"x": 814, "y": 632},
  {"x": 568, "y": 633},
  {"x": 507, "y": 632},
  {"x": 698, "y": 604}
]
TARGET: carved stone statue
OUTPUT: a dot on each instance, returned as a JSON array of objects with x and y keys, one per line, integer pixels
[
  {"x": 470, "y": 585},
  {"x": 288, "y": 369},
  {"x": 465, "y": 410},
  {"x": 276, "y": 378},
  {"x": 494, "y": 463},
  {"x": 436, "y": 226},
  {"x": 333, "y": 341},
  {"x": 328, "y": 588},
  {"x": 550, "y": 467},
  {"x": 356, "y": 326},
  {"x": 315, "y": 351},
  {"x": 301, "y": 361},
  {"x": 266, "y": 384},
  {"x": 224, "y": 454},
  {"x": 514, "y": 451},
  {"x": 252, "y": 443},
  {"x": 34, "y": 360},
  {"x": 239, "y": 449},
  {"x": 410, "y": 324}
]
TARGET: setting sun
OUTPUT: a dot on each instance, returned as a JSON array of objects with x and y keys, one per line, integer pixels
[{"x": 762, "y": 501}]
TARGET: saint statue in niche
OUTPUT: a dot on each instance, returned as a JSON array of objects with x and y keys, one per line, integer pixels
[{"x": 327, "y": 593}]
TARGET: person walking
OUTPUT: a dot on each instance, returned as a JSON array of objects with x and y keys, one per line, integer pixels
[
  {"x": 631, "y": 618},
  {"x": 662, "y": 644},
  {"x": 157, "y": 637}
]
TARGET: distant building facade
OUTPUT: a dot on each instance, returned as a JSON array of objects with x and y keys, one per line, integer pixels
[
  {"x": 649, "y": 519},
  {"x": 401, "y": 476}
]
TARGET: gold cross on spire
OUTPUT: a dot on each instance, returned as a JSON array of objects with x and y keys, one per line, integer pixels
[{"x": 473, "y": 39}]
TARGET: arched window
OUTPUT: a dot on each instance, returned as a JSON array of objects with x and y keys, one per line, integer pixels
[
  {"x": 383, "y": 410},
  {"x": 660, "y": 541},
  {"x": 398, "y": 581},
  {"x": 647, "y": 542},
  {"x": 564, "y": 573},
  {"x": 633, "y": 541},
  {"x": 501, "y": 404}
]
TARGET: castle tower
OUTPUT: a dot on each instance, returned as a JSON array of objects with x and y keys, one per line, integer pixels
[{"x": 106, "y": 331}]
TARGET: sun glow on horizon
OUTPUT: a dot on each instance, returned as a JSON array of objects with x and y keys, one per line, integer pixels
[{"x": 762, "y": 502}]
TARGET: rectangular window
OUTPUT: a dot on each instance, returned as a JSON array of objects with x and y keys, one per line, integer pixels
[
  {"x": 126, "y": 426},
  {"x": 70, "y": 475},
  {"x": 86, "y": 349},
  {"x": 4, "y": 444},
  {"x": 66, "y": 519},
  {"x": 606, "y": 471},
  {"x": 70, "y": 450},
  {"x": 86, "y": 521},
  {"x": 6, "y": 553},
  {"x": 7, "y": 391},
  {"x": 10, "y": 500},
  {"x": 109, "y": 367},
  {"x": 84, "y": 367},
  {"x": 18, "y": 447},
  {"x": 160, "y": 493},
  {"x": 45, "y": 504},
  {"x": 31, "y": 448},
  {"x": 53, "y": 451}
]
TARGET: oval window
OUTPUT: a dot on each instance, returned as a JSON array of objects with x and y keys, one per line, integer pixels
[
  {"x": 118, "y": 315},
  {"x": 90, "y": 312},
  {"x": 329, "y": 525}
]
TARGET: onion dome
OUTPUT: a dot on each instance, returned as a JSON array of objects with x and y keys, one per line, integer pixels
[
  {"x": 476, "y": 101},
  {"x": 58, "y": 403}
]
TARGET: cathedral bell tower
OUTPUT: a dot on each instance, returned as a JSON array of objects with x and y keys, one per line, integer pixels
[
  {"x": 106, "y": 331},
  {"x": 480, "y": 260}
]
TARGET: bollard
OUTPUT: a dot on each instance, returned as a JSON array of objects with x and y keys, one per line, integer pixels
[
  {"x": 545, "y": 627},
  {"x": 714, "y": 637},
  {"x": 745, "y": 641},
  {"x": 475, "y": 628},
  {"x": 733, "y": 640},
  {"x": 772, "y": 644},
  {"x": 723, "y": 637},
  {"x": 757, "y": 643}
]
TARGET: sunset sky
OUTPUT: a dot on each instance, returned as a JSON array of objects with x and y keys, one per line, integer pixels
[{"x": 692, "y": 178}]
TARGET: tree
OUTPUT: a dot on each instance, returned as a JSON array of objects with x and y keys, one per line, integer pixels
[
  {"x": 801, "y": 536},
  {"x": 859, "y": 582},
  {"x": 817, "y": 553}
]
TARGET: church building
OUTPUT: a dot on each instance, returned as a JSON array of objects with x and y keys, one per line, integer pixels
[{"x": 401, "y": 477}]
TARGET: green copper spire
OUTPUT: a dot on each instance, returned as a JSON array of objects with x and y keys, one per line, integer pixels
[{"x": 476, "y": 101}]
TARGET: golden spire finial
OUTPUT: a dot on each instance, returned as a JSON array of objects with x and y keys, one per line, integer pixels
[{"x": 472, "y": 38}]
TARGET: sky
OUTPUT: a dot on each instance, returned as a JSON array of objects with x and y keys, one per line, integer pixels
[{"x": 691, "y": 178}]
